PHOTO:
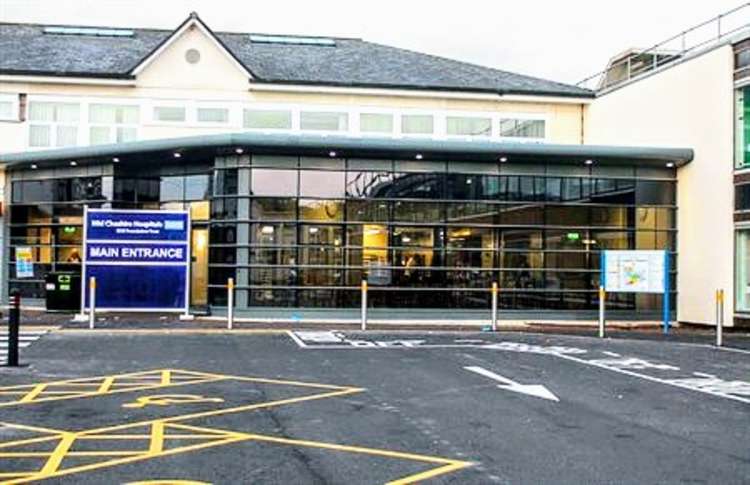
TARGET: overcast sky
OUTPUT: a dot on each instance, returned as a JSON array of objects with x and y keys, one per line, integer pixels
[{"x": 560, "y": 40}]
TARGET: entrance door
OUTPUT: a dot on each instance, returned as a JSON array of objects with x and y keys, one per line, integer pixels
[{"x": 199, "y": 267}]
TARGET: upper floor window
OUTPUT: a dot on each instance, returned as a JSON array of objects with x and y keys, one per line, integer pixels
[
  {"x": 267, "y": 119},
  {"x": 742, "y": 128},
  {"x": 8, "y": 107},
  {"x": 376, "y": 123},
  {"x": 324, "y": 121},
  {"x": 212, "y": 115},
  {"x": 417, "y": 124},
  {"x": 53, "y": 124},
  {"x": 522, "y": 128},
  {"x": 172, "y": 114},
  {"x": 111, "y": 123},
  {"x": 468, "y": 126}
]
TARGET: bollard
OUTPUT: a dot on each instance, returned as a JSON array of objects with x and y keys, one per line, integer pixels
[
  {"x": 719, "y": 318},
  {"x": 230, "y": 303},
  {"x": 602, "y": 298},
  {"x": 364, "y": 305},
  {"x": 494, "y": 306},
  {"x": 14, "y": 317},
  {"x": 92, "y": 302}
]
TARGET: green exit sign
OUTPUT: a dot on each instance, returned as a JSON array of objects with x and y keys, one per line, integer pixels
[
  {"x": 69, "y": 229},
  {"x": 574, "y": 236}
]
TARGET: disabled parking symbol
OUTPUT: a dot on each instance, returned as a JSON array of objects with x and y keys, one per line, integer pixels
[{"x": 169, "y": 399}]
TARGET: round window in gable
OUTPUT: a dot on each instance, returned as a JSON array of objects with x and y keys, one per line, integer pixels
[{"x": 193, "y": 56}]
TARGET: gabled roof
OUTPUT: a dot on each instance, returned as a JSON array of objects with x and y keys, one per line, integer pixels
[{"x": 25, "y": 49}]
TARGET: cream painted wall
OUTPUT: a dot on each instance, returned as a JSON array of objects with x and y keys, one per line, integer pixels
[
  {"x": 215, "y": 71},
  {"x": 688, "y": 105}
]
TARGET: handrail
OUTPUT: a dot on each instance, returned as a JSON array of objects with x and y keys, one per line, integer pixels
[{"x": 663, "y": 53}]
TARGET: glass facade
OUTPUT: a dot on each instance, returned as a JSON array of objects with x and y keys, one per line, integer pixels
[
  {"x": 304, "y": 232},
  {"x": 742, "y": 127},
  {"x": 435, "y": 234}
]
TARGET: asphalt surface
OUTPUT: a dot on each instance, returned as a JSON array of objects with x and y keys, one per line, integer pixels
[{"x": 386, "y": 407}]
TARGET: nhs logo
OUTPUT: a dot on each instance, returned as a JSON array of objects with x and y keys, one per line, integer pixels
[{"x": 175, "y": 225}]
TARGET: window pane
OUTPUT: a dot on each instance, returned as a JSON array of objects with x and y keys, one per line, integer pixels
[
  {"x": 41, "y": 111},
  {"x": 743, "y": 270},
  {"x": 6, "y": 110},
  {"x": 321, "y": 210},
  {"x": 367, "y": 211},
  {"x": 169, "y": 113},
  {"x": 279, "y": 209},
  {"x": 652, "y": 192},
  {"x": 324, "y": 121},
  {"x": 468, "y": 126},
  {"x": 376, "y": 123},
  {"x": 66, "y": 136},
  {"x": 213, "y": 115},
  {"x": 516, "y": 128},
  {"x": 417, "y": 124},
  {"x": 269, "y": 119},
  {"x": 99, "y": 135},
  {"x": 67, "y": 112},
  {"x": 40, "y": 136},
  {"x": 742, "y": 197},
  {"x": 368, "y": 184},
  {"x": 274, "y": 182},
  {"x": 126, "y": 134},
  {"x": 319, "y": 183},
  {"x": 196, "y": 187}
]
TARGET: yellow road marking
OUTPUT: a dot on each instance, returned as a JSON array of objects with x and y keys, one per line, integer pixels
[
  {"x": 167, "y": 399},
  {"x": 418, "y": 477},
  {"x": 106, "y": 385},
  {"x": 157, "y": 438},
  {"x": 160, "y": 432},
  {"x": 53, "y": 463},
  {"x": 34, "y": 393}
]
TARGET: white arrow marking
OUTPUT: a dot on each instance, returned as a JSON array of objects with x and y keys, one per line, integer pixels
[{"x": 535, "y": 390}]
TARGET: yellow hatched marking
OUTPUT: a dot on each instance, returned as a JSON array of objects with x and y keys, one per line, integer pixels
[
  {"x": 166, "y": 377},
  {"x": 34, "y": 393},
  {"x": 157, "y": 438},
  {"x": 106, "y": 385},
  {"x": 53, "y": 463}
]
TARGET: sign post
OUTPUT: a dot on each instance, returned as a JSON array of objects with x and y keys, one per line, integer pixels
[
  {"x": 636, "y": 271},
  {"x": 140, "y": 259}
]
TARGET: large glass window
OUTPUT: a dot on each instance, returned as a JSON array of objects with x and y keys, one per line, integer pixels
[
  {"x": 172, "y": 114},
  {"x": 522, "y": 128},
  {"x": 267, "y": 119},
  {"x": 468, "y": 126},
  {"x": 742, "y": 270},
  {"x": 438, "y": 232},
  {"x": 324, "y": 121},
  {"x": 53, "y": 124},
  {"x": 742, "y": 127},
  {"x": 274, "y": 182},
  {"x": 742, "y": 197},
  {"x": 110, "y": 123},
  {"x": 376, "y": 123},
  {"x": 417, "y": 124}
]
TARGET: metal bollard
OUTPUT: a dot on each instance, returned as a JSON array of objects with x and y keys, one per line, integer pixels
[
  {"x": 92, "y": 302},
  {"x": 494, "y": 306},
  {"x": 602, "y": 299},
  {"x": 230, "y": 303},
  {"x": 719, "y": 318},
  {"x": 14, "y": 317},
  {"x": 364, "y": 305}
]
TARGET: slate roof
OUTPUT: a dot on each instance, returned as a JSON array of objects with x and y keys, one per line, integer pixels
[{"x": 26, "y": 50}]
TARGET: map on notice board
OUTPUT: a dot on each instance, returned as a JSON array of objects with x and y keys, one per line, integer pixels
[{"x": 635, "y": 271}]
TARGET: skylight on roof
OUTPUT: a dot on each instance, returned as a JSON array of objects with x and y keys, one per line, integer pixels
[
  {"x": 282, "y": 39},
  {"x": 92, "y": 31}
]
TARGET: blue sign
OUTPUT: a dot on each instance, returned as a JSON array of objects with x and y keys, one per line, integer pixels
[{"x": 140, "y": 259}]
